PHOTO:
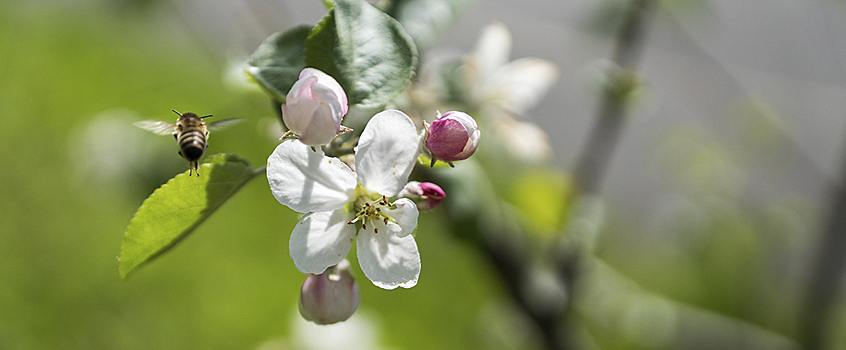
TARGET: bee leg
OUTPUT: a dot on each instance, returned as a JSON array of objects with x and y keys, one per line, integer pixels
[{"x": 196, "y": 166}]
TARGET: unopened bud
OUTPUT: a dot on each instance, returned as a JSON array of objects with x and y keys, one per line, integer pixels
[
  {"x": 453, "y": 136},
  {"x": 431, "y": 193},
  {"x": 314, "y": 107},
  {"x": 330, "y": 297}
]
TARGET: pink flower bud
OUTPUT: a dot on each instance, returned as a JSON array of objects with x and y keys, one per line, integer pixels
[
  {"x": 330, "y": 297},
  {"x": 314, "y": 107},
  {"x": 431, "y": 193},
  {"x": 453, "y": 136}
]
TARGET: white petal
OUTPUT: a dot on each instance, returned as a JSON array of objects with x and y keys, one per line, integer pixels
[
  {"x": 297, "y": 113},
  {"x": 322, "y": 127},
  {"x": 493, "y": 48},
  {"x": 521, "y": 84},
  {"x": 465, "y": 119},
  {"x": 405, "y": 216},
  {"x": 386, "y": 152},
  {"x": 327, "y": 81},
  {"x": 321, "y": 240},
  {"x": 471, "y": 146},
  {"x": 308, "y": 181},
  {"x": 387, "y": 260},
  {"x": 326, "y": 95},
  {"x": 524, "y": 140},
  {"x": 302, "y": 88}
]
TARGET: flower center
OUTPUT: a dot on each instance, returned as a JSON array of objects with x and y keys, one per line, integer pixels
[{"x": 369, "y": 207}]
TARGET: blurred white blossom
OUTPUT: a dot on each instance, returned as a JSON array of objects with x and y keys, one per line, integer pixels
[
  {"x": 361, "y": 331},
  {"x": 515, "y": 86},
  {"x": 523, "y": 139},
  {"x": 506, "y": 90}
]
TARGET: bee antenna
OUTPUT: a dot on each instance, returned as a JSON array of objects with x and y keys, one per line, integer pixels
[
  {"x": 174, "y": 111},
  {"x": 206, "y": 116}
]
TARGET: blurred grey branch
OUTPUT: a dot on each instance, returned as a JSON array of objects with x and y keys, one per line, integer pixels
[
  {"x": 827, "y": 272},
  {"x": 494, "y": 229},
  {"x": 592, "y": 165}
]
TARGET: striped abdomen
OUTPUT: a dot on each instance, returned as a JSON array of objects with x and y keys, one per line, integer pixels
[{"x": 192, "y": 144}]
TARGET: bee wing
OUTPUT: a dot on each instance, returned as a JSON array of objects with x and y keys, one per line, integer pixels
[
  {"x": 220, "y": 124},
  {"x": 158, "y": 127}
]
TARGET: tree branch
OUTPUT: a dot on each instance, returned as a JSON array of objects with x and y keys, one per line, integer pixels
[
  {"x": 495, "y": 230},
  {"x": 827, "y": 272},
  {"x": 592, "y": 165}
]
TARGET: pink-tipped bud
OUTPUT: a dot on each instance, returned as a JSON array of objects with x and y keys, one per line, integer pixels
[
  {"x": 314, "y": 107},
  {"x": 330, "y": 297},
  {"x": 453, "y": 136},
  {"x": 430, "y": 193}
]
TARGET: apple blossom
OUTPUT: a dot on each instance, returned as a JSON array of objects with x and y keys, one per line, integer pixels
[
  {"x": 431, "y": 193},
  {"x": 336, "y": 200},
  {"x": 453, "y": 136},
  {"x": 314, "y": 108},
  {"x": 504, "y": 88},
  {"x": 330, "y": 297},
  {"x": 515, "y": 86}
]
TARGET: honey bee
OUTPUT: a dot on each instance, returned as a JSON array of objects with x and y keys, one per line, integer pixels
[{"x": 191, "y": 133}]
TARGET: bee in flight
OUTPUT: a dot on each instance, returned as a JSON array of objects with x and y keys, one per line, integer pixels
[{"x": 191, "y": 133}]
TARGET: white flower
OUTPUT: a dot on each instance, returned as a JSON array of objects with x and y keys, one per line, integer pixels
[
  {"x": 336, "y": 198},
  {"x": 515, "y": 86},
  {"x": 524, "y": 140}
]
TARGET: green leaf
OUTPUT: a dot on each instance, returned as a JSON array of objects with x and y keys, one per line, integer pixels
[
  {"x": 424, "y": 20},
  {"x": 278, "y": 61},
  {"x": 367, "y": 51},
  {"x": 178, "y": 207},
  {"x": 320, "y": 51}
]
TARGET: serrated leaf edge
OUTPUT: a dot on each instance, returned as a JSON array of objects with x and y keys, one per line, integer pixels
[{"x": 164, "y": 249}]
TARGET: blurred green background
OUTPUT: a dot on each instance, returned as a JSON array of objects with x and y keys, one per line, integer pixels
[{"x": 716, "y": 258}]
